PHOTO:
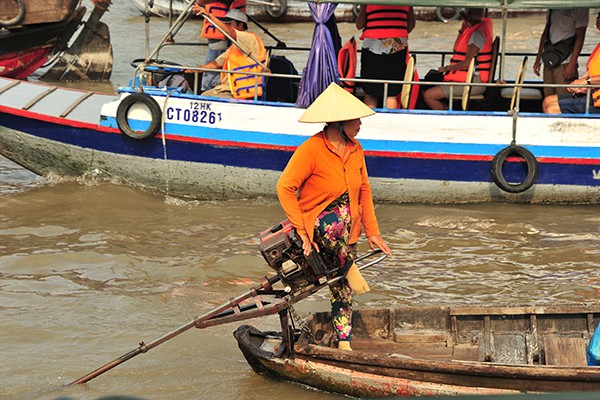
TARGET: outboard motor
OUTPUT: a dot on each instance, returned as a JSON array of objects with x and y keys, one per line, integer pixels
[{"x": 281, "y": 246}]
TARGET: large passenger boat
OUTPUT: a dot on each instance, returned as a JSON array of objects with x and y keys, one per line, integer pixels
[{"x": 495, "y": 147}]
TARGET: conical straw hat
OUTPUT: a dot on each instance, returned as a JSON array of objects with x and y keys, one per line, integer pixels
[{"x": 335, "y": 104}]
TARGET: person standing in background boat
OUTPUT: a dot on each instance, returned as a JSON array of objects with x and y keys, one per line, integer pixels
[
  {"x": 324, "y": 191},
  {"x": 217, "y": 42},
  {"x": 575, "y": 100},
  {"x": 474, "y": 41},
  {"x": 384, "y": 49},
  {"x": 242, "y": 85},
  {"x": 567, "y": 27}
]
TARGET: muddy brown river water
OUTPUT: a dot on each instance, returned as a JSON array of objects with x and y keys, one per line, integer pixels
[{"x": 89, "y": 269}]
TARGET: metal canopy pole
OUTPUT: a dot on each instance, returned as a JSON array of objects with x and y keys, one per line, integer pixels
[{"x": 172, "y": 30}]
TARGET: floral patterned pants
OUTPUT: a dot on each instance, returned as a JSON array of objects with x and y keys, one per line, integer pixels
[{"x": 332, "y": 232}]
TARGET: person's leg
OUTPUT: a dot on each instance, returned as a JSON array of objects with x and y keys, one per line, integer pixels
[
  {"x": 434, "y": 98},
  {"x": 548, "y": 80},
  {"x": 477, "y": 90},
  {"x": 568, "y": 104},
  {"x": 391, "y": 102},
  {"x": 332, "y": 230},
  {"x": 370, "y": 101},
  {"x": 550, "y": 105},
  {"x": 341, "y": 312},
  {"x": 370, "y": 64},
  {"x": 218, "y": 91},
  {"x": 395, "y": 69},
  {"x": 558, "y": 77}
]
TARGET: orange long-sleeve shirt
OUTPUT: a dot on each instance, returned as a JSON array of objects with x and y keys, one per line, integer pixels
[{"x": 316, "y": 175}]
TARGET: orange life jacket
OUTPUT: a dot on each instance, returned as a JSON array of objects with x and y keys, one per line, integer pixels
[
  {"x": 243, "y": 83},
  {"x": 593, "y": 69},
  {"x": 484, "y": 58},
  {"x": 386, "y": 22},
  {"x": 218, "y": 10},
  {"x": 347, "y": 64}
]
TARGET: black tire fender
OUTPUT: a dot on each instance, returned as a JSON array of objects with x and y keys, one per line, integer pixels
[
  {"x": 498, "y": 163},
  {"x": 440, "y": 11},
  {"x": 18, "y": 18},
  {"x": 279, "y": 9},
  {"x": 123, "y": 111}
]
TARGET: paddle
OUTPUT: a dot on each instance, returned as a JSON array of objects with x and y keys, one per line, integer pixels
[
  {"x": 199, "y": 321},
  {"x": 89, "y": 58},
  {"x": 233, "y": 311}
]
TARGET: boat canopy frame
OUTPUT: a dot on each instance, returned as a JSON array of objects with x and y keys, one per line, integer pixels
[
  {"x": 497, "y": 4},
  {"x": 504, "y": 5}
]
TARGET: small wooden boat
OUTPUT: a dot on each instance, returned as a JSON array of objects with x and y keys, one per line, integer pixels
[{"x": 436, "y": 350}]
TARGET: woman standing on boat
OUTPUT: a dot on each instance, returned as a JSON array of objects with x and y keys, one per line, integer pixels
[
  {"x": 384, "y": 49},
  {"x": 325, "y": 193}
]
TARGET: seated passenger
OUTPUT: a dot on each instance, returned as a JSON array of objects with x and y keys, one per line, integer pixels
[
  {"x": 217, "y": 42},
  {"x": 238, "y": 85},
  {"x": 474, "y": 40},
  {"x": 574, "y": 102}
]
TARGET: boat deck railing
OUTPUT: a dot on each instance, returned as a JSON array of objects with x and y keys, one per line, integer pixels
[{"x": 457, "y": 92}]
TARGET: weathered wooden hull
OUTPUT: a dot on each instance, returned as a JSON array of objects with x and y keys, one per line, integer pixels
[
  {"x": 23, "y": 50},
  {"x": 433, "y": 351},
  {"x": 36, "y": 12}
]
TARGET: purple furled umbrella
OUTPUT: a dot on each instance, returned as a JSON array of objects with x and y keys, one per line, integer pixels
[{"x": 321, "y": 68}]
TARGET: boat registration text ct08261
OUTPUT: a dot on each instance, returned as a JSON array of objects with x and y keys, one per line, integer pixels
[{"x": 198, "y": 112}]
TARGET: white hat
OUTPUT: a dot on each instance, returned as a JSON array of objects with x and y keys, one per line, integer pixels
[
  {"x": 235, "y": 15},
  {"x": 335, "y": 104}
]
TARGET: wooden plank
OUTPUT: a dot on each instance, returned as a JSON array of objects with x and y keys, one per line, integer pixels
[
  {"x": 39, "y": 97},
  {"x": 465, "y": 352},
  {"x": 420, "y": 337},
  {"x": 429, "y": 351},
  {"x": 566, "y": 309},
  {"x": 76, "y": 103},
  {"x": 509, "y": 348},
  {"x": 567, "y": 351},
  {"x": 9, "y": 86}
]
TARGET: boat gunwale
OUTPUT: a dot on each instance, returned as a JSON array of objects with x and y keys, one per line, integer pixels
[{"x": 310, "y": 352}]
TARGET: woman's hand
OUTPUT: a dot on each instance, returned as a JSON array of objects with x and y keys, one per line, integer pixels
[
  {"x": 377, "y": 241},
  {"x": 307, "y": 245}
]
